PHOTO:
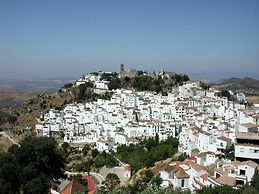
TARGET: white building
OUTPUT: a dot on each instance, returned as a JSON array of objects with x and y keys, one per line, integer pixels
[{"x": 247, "y": 146}]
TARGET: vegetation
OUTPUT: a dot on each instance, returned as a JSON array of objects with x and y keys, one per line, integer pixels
[
  {"x": 94, "y": 153},
  {"x": 246, "y": 85},
  {"x": 147, "y": 152},
  {"x": 37, "y": 161},
  {"x": 83, "y": 92},
  {"x": 114, "y": 80},
  {"x": 111, "y": 181},
  {"x": 180, "y": 78},
  {"x": 7, "y": 118},
  {"x": 109, "y": 76},
  {"x": 225, "y": 93},
  {"x": 86, "y": 149},
  {"x": 105, "y": 159},
  {"x": 153, "y": 187},
  {"x": 230, "y": 153},
  {"x": 182, "y": 157},
  {"x": 79, "y": 178},
  {"x": 144, "y": 82},
  {"x": 217, "y": 190},
  {"x": 205, "y": 86},
  {"x": 114, "y": 84},
  {"x": 255, "y": 181},
  {"x": 84, "y": 166},
  {"x": 68, "y": 85}
]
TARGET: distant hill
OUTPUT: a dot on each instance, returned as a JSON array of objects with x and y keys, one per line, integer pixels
[
  {"x": 246, "y": 85},
  {"x": 34, "y": 85}
]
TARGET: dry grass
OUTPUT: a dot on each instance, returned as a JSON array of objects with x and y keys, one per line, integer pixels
[
  {"x": 11, "y": 98},
  {"x": 6, "y": 94},
  {"x": 253, "y": 99}
]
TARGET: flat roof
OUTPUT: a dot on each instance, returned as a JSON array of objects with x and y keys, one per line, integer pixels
[{"x": 248, "y": 135}]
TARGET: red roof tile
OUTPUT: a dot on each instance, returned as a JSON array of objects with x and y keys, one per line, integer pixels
[
  {"x": 90, "y": 184},
  {"x": 73, "y": 187}
]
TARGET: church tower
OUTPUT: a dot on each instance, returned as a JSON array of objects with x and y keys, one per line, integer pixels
[{"x": 122, "y": 71}]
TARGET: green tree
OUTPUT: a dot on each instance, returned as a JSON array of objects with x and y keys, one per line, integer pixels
[
  {"x": 65, "y": 147},
  {"x": 230, "y": 153},
  {"x": 156, "y": 181},
  {"x": 62, "y": 135},
  {"x": 182, "y": 157},
  {"x": 147, "y": 152},
  {"x": 112, "y": 181},
  {"x": 148, "y": 176},
  {"x": 68, "y": 85},
  {"x": 249, "y": 190},
  {"x": 114, "y": 84},
  {"x": 94, "y": 153},
  {"x": 126, "y": 79},
  {"x": 37, "y": 161},
  {"x": 86, "y": 149},
  {"x": 12, "y": 119},
  {"x": 205, "y": 86},
  {"x": 218, "y": 190},
  {"x": 105, "y": 159},
  {"x": 255, "y": 181},
  {"x": 225, "y": 93}
]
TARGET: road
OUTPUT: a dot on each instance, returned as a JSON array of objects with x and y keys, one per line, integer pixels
[{"x": 99, "y": 177}]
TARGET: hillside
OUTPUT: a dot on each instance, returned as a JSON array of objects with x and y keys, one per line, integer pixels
[
  {"x": 12, "y": 98},
  {"x": 247, "y": 85},
  {"x": 32, "y": 105}
]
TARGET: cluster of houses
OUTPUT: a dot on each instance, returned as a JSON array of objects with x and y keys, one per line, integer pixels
[
  {"x": 205, "y": 124},
  {"x": 191, "y": 174},
  {"x": 95, "y": 78}
]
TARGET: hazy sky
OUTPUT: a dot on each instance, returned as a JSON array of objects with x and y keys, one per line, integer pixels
[{"x": 54, "y": 38}]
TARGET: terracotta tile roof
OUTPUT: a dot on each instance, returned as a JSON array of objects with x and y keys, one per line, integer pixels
[
  {"x": 73, "y": 187},
  {"x": 169, "y": 168},
  {"x": 226, "y": 180},
  {"x": 194, "y": 165},
  {"x": 244, "y": 135},
  {"x": 224, "y": 138},
  {"x": 126, "y": 167},
  {"x": 205, "y": 176},
  {"x": 165, "y": 103},
  {"x": 193, "y": 158},
  {"x": 249, "y": 125},
  {"x": 90, "y": 184},
  {"x": 248, "y": 163},
  {"x": 203, "y": 154},
  {"x": 181, "y": 173},
  {"x": 198, "y": 167}
]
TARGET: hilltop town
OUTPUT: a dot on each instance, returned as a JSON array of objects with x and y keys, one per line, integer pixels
[{"x": 217, "y": 133}]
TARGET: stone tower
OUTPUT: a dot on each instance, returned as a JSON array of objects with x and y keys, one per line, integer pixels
[
  {"x": 122, "y": 68},
  {"x": 122, "y": 71}
]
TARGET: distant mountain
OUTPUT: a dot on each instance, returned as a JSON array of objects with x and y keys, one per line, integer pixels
[
  {"x": 47, "y": 85},
  {"x": 246, "y": 85}
]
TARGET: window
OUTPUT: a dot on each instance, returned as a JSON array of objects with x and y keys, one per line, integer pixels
[
  {"x": 242, "y": 150},
  {"x": 242, "y": 172},
  {"x": 182, "y": 183}
]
